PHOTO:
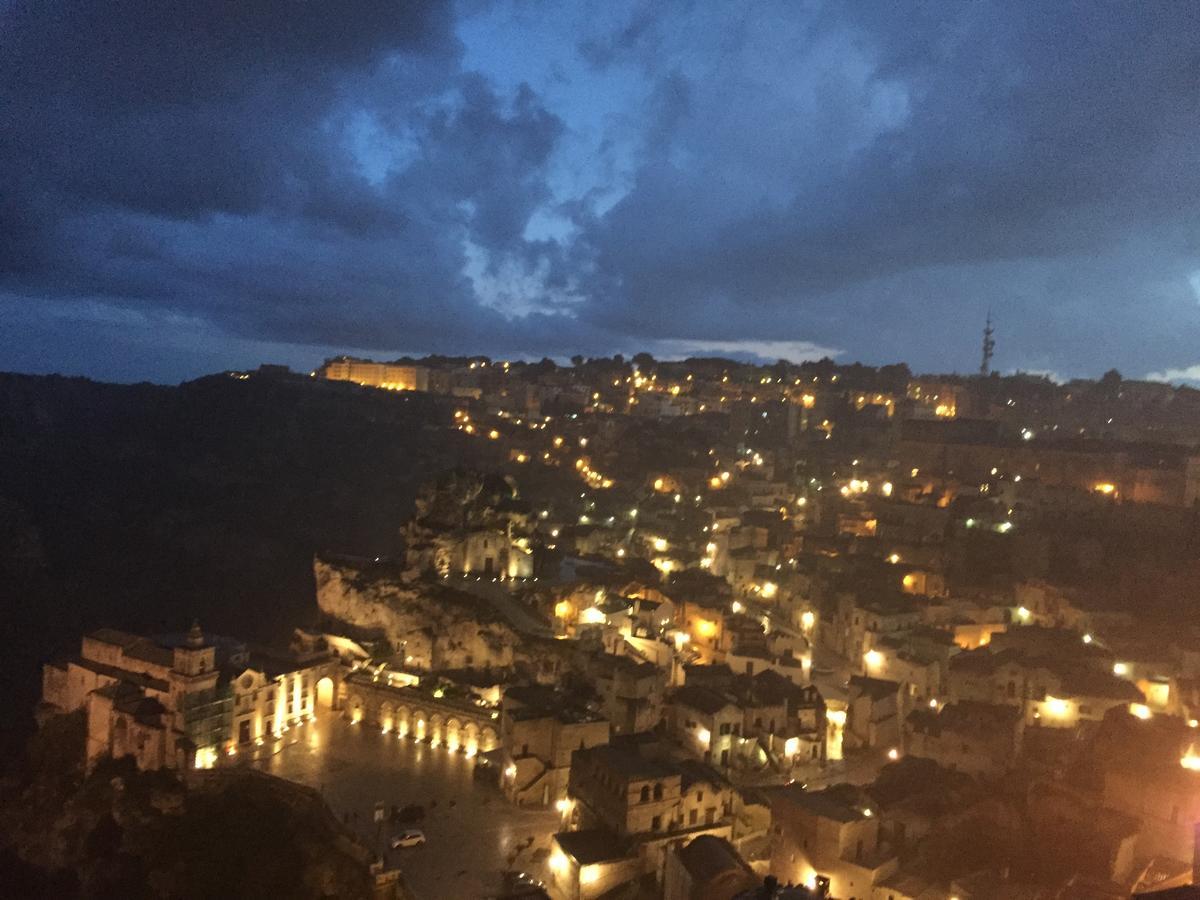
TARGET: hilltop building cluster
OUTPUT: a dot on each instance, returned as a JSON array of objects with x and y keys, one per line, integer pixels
[{"x": 866, "y": 633}]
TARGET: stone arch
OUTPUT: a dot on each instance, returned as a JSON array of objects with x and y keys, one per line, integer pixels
[
  {"x": 487, "y": 739},
  {"x": 387, "y": 717},
  {"x": 326, "y": 693},
  {"x": 356, "y": 709},
  {"x": 420, "y": 724},
  {"x": 470, "y": 738},
  {"x": 453, "y": 734},
  {"x": 403, "y": 721},
  {"x": 436, "y": 729}
]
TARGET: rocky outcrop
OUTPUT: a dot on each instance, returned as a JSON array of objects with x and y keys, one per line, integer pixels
[
  {"x": 121, "y": 832},
  {"x": 433, "y": 626}
]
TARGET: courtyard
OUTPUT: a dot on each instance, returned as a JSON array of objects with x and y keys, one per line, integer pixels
[{"x": 472, "y": 833}]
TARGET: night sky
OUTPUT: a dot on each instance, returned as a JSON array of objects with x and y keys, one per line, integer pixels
[{"x": 188, "y": 187}]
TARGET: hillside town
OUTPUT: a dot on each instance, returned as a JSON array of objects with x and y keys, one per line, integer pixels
[{"x": 705, "y": 629}]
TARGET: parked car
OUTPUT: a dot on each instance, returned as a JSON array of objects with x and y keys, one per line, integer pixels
[{"x": 411, "y": 837}]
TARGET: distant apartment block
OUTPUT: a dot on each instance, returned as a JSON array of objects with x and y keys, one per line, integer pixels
[{"x": 389, "y": 376}]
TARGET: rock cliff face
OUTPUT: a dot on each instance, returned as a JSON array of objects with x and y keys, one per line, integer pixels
[
  {"x": 144, "y": 507},
  {"x": 434, "y": 626}
]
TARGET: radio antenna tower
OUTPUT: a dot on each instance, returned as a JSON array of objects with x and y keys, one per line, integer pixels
[{"x": 989, "y": 346}]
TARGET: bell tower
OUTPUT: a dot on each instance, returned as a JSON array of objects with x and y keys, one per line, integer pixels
[{"x": 195, "y": 657}]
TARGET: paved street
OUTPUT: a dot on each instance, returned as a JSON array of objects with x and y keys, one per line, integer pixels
[
  {"x": 860, "y": 768},
  {"x": 471, "y": 831},
  {"x": 500, "y": 596}
]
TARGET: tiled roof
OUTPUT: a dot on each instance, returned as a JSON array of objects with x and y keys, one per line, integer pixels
[{"x": 702, "y": 699}]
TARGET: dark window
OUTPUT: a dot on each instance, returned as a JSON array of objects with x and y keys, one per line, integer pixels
[
  {"x": 656, "y": 823},
  {"x": 658, "y": 792},
  {"x": 645, "y": 793}
]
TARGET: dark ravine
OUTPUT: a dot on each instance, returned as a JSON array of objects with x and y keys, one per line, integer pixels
[{"x": 141, "y": 506}]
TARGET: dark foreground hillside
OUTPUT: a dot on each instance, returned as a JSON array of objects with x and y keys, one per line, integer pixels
[
  {"x": 141, "y": 507},
  {"x": 118, "y": 832}
]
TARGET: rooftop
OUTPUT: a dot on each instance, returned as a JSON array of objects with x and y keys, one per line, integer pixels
[
  {"x": 708, "y": 856},
  {"x": 702, "y": 699},
  {"x": 875, "y": 688},
  {"x": 627, "y": 762},
  {"x": 135, "y": 646},
  {"x": 135, "y": 678},
  {"x": 830, "y": 803},
  {"x": 592, "y": 846}
]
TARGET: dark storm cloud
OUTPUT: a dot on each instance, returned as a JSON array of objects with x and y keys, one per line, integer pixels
[
  {"x": 971, "y": 135},
  {"x": 203, "y": 157},
  {"x": 377, "y": 175}
]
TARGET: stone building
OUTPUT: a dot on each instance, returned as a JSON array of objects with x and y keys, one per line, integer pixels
[
  {"x": 540, "y": 730},
  {"x": 272, "y": 692},
  {"x": 981, "y": 739},
  {"x": 876, "y": 713},
  {"x": 707, "y": 722},
  {"x": 706, "y": 868},
  {"x": 183, "y": 702},
  {"x": 396, "y": 706},
  {"x": 469, "y": 523},
  {"x": 831, "y": 834},
  {"x": 630, "y": 691},
  {"x": 626, "y": 798},
  {"x": 154, "y": 700},
  {"x": 390, "y": 376}
]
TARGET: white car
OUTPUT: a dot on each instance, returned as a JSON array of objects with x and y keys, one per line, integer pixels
[{"x": 413, "y": 837}]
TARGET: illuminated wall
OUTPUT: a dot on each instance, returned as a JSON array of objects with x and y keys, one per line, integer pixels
[{"x": 379, "y": 375}]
